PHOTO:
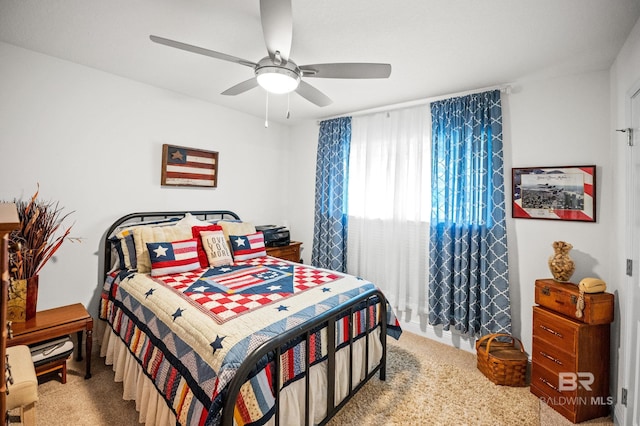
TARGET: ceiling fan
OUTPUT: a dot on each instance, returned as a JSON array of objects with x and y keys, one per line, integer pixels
[{"x": 277, "y": 73}]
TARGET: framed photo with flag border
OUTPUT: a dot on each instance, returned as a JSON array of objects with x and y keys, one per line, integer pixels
[
  {"x": 182, "y": 166},
  {"x": 557, "y": 193}
]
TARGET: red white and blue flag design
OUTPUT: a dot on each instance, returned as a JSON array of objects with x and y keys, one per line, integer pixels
[
  {"x": 174, "y": 257},
  {"x": 247, "y": 247},
  {"x": 186, "y": 166}
]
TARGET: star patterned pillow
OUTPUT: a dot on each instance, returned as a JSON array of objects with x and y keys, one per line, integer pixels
[
  {"x": 247, "y": 247},
  {"x": 173, "y": 257}
]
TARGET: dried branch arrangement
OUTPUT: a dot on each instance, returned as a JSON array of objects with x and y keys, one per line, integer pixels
[{"x": 40, "y": 235}]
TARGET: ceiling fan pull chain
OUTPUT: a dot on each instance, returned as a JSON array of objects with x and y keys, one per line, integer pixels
[
  {"x": 266, "y": 112},
  {"x": 288, "y": 105}
]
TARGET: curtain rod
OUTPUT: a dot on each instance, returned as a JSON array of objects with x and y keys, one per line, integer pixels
[{"x": 504, "y": 88}]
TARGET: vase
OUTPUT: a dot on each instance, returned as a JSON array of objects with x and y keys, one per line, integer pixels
[
  {"x": 561, "y": 264},
  {"x": 23, "y": 299}
]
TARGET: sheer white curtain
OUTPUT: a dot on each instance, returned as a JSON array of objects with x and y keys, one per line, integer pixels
[{"x": 389, "y": 204}]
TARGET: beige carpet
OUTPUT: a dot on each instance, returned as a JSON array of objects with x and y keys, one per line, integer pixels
[{"x": 427, "y": 384}]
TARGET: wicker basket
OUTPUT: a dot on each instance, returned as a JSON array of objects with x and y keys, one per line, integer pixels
[{"x": 501, "y": 361}]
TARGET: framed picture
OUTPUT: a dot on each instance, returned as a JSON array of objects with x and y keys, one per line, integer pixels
[
  {"x": 559, "y": 193},
  {"x": 182, "y": 166}
]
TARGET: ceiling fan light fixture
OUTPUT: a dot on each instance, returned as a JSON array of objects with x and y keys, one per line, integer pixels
[{"x": 277, "y": 80}]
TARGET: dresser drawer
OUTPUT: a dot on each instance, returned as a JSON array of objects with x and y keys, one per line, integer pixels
[
  {"x": 545, "y": 385},
  {"x": 558, "y": 331},
  {"x": 551, "y": 357}
]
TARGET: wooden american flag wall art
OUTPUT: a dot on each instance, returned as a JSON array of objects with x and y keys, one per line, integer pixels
[{"x": 182, "y": 166}]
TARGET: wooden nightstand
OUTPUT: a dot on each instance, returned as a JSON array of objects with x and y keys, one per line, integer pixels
[
  {"x": 290, "y": 252},
  {"x": 53, "y": 323}
]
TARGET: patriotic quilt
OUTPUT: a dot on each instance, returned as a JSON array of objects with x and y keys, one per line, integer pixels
[{"x": 191, "y": 331}]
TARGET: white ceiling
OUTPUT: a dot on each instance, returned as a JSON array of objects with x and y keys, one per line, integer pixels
[{"x": 435, "y": 47}]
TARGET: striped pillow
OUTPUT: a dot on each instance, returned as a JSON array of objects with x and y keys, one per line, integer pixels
[
  {"x": 173, "y": 257},
  {"x": 247, "y": 247}
]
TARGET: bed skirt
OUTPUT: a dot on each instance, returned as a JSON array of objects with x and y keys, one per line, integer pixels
[{"x": 154, "y": 411}]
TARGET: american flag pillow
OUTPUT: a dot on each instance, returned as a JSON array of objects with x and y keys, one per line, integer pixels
[
  {"x": 247, "y": 247},
  {"x": 173, "y": 257}
]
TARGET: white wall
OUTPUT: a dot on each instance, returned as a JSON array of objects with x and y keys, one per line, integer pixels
[
  {"x": 93, "y": 141},
  {"x": 558, "y": 122}
]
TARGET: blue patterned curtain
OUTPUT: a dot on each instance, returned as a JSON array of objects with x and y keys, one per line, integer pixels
[
  {"x": 468, "y": 285},
  {"x": 330, "y": 222}
]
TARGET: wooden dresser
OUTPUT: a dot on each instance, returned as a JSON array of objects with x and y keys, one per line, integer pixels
[
  {"x": 9, "y": 221},
  {"x": 570, "y": 356}
]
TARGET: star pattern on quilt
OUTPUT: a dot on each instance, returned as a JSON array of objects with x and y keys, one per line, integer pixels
[
  {"x": 177, "y": 313},
  {"x": 325, "y": 289},
  {"x": 149, "y": 292},
  {"x": 282, "y": 308},
  {"x": 217, "y": 344}
]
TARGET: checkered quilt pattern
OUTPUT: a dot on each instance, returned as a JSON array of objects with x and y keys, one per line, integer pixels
[{"x": 190, "y": 332}]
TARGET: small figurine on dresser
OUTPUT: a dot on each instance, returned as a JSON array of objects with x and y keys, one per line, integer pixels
[{"x": 561, "y": 264}]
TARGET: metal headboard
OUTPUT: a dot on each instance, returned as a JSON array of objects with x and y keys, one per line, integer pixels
[{"x": 133, "y": 218}]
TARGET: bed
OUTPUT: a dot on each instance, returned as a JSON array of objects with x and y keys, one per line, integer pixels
[{"x": 250, "y": 339}]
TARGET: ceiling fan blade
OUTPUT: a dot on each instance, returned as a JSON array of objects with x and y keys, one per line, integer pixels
[
  {"x": 201, "y": 51},
  {"x": 347, "y": 70},
  {"x": 241, "y": 87},
  {"x": 312, "y": 94},
  {"x": 277, "y": 27}
]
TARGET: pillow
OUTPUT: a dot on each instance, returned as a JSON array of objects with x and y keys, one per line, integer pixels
[
  {"x": 152, "y": 234},
  {"x": 173, "y": 257},
  {"x": 126, "y": 252},
  {"x": 236, "y": 228},
  {"x": 124, "y": 244},
  {"x": 190, "y": 220},
  {"x": 215, "y": 245},
  {"x": 196, "y": 232},
  {"x": 247, "y": 247}
]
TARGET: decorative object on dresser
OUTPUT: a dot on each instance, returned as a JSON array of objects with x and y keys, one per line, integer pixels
[
  {"x": 570, "y": 355},
  {"x": 560, "y": 263},
  {"x": 290, "y": 252},
  {"x": 38, "y": 238}
]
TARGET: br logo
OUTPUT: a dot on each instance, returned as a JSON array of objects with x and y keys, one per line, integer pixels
[{"x": 569, "y": 381}]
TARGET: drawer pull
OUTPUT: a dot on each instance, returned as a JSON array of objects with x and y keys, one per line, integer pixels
[
  {"x": 557, "y": 361},
  {"x": 546, "y": 382},
  {"x": 546, "y": 291},
  {"x": 547, "y": 329}
]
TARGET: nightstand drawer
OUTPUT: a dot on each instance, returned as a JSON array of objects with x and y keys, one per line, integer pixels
[
  {"x": 556, "y": 330},
  {"x": 551, "y": 357},
  {"x": 290, "y": 252}
]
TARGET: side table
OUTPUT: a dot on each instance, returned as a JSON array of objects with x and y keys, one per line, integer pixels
[{"x": 53, "y": 323}]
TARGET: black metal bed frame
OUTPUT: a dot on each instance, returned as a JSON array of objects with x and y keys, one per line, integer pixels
[{"x": 272, "y": 349}]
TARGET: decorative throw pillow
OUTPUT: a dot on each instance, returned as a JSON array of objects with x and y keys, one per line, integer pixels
[
  {"x": 126, "y": 252},
  {"x": 196, "y": 231},
  {"x": 151, "y": 234},
  {"x": 173, "y": 257},
  {"x": 247, "y": 247},
  {"x": 215, "y": 245}
]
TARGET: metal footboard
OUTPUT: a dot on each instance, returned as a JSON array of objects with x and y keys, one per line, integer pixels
[{"x": 327, "y": 319}]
